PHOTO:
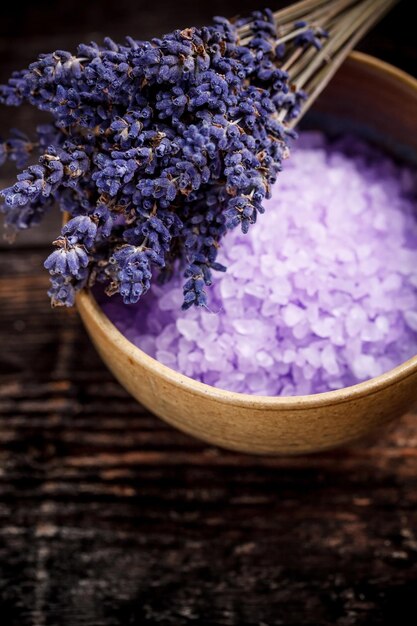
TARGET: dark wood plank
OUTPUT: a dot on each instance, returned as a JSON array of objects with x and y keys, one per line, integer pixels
[{"x": 108, "y": 516}]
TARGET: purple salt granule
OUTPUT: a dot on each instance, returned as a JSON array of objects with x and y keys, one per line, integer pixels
[{"x": 319, "y": 295}]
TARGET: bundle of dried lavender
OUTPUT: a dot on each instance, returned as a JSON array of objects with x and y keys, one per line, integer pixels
[{"x": 156, "y": 148}]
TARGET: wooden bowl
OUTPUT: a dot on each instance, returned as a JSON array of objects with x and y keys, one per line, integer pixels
[{"x": 375, "y": 96}]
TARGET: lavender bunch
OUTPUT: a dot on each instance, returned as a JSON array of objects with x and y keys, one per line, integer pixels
[{"x": 156, "y": 148}]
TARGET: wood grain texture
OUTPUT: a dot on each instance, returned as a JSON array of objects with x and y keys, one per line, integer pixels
[{"x": 108, "y": 517}]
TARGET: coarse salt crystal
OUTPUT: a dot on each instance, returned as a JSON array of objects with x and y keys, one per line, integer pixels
[
  {"x": 189, "y": 329},
  {"x": 292, "y": 315},
  {"x": 411, "y": 319}
]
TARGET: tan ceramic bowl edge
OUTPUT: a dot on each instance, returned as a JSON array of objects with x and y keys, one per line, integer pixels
[{"x": 262, "y": 424}]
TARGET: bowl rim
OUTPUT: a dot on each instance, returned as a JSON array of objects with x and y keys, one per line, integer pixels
[{"x": 89, "y": 307}]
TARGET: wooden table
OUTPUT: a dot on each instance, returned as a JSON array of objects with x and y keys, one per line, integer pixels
[{"x": 110, "y": 517}]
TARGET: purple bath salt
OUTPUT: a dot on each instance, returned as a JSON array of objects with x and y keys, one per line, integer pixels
[{"x": 320, "y": 294}]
